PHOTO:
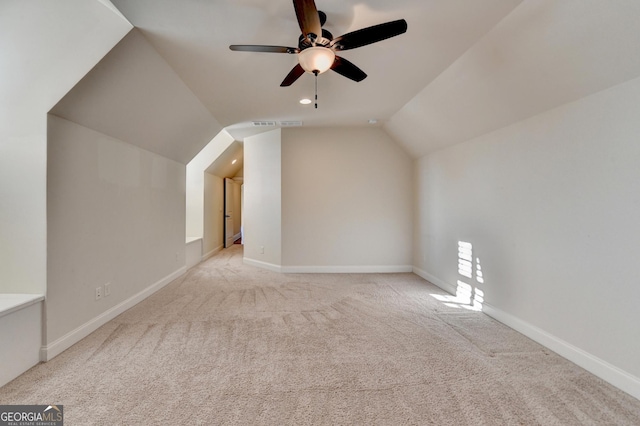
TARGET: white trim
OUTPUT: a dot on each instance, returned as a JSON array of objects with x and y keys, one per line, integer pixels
[
  {"x": 212, "y": 253},
  {"x": 263, "y": 265},
  {"x": 596, "y": 366},
  {"x": 350, "y": 269},
  {"x": 366, "y": 269},
  {"x": 21, "y": 337},
  {"x": 233, "y": 240},
  {"x": 53, "y": 349},
  {"x": 435, "y": 280},
  {"x": 193, "y": 252},
  {"x": 607, "y": 372},
  {"x": 11, "y": 302}
]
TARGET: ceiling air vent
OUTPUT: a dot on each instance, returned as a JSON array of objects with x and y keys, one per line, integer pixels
[
  {"x": 291, "y": 123},
  {"x": 264, "y": 124}
]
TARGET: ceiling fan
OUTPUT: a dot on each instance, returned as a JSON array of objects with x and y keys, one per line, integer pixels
[{"x": 317, "y": 46}]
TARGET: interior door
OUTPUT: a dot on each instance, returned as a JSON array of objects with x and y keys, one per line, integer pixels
[{"x": 228, "y": 213}]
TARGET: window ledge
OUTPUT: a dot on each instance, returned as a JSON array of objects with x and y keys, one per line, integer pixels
[{"x": 11, "y": 302}]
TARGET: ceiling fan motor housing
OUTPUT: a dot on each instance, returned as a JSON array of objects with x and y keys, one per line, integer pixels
[
  {"x": 317, "y": 48},
  {"x": 304, "y": 42}
]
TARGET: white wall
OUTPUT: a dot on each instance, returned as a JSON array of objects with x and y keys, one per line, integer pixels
[
  {"x": 213, "y": 215},
  {"x": 195, "y": 182},
  {"x": 21, "y": 334},
  {"x": 263, "y": 199},
  {"x": 346, "y": 201},
  {"x": 551, "y": 206},
  {"x": 46, "y": 48},
  {"x": 115, "y": 214},
  {"x": 543, "y": 54},
  {"x": 134, "y": 95}
]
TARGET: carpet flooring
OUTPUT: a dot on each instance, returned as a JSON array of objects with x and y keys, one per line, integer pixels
[{"x": 232, "y": 344}]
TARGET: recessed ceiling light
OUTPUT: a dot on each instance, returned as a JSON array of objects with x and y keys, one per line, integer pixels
[
  {"x": 234, "y": 161},
  {"x": 373, "y": 121},
  {"x": 305, "y": 101}
]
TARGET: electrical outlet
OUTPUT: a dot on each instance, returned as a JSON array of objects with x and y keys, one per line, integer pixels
[
  {"x": 261, "y": 249},
  {"x": 107, "y": 289},
  {"x": 98, "y": 293}
]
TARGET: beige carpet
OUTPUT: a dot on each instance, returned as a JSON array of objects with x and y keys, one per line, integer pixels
[{"x": 232, "y": 344}]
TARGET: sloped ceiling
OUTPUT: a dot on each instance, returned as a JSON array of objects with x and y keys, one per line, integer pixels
[
  {"x": 237, "y": 87},
  {"x": 464, "y": 68},
  {"x": 41, "y": 59},
  {"x": 224, "y": 166},
  {"x": 135, "y": 96},
  {"x": 544, "y": 54}
]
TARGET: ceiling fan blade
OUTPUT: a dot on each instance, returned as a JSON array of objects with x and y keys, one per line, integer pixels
[
  {"x": 293, "y": 75},
  {"x": 347, "y": 69},
  {"x": 308, "y": 17},
  {"x": 265, "y": 49},
  {"x": 369, "y": 35}
]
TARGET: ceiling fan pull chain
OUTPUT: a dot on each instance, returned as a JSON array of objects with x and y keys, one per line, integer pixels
[{"x": 316, "y": 74}]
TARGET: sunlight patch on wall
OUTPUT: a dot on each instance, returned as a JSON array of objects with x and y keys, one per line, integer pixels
[
  {"x": 465, "y": 259},
  {"x": 467, "y": 296},
  {"x": 479, "y": 276}
]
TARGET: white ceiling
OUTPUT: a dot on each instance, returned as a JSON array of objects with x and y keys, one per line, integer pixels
[
  {"x": 464, "y": 68},
  {"x": 134, "y": 96},
  {"x": 544, "y": 54},
  {"x": 237, "y": 87},
  {"x": 224, "y": 167}
]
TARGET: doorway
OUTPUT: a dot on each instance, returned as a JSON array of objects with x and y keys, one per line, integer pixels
[{"x": 232, "y": 212}]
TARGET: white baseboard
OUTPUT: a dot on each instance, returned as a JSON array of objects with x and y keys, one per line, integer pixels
[
  {"x": 263, "y": 265},
  {"x": 53, "y": 349},
  {"x": 212, "y": 253},
  {"x": 366, "y": 269},
  {"x": 352, "y": 269},
  {"x": 435, "y": 280},
  {"x": 596, "y": 366}
]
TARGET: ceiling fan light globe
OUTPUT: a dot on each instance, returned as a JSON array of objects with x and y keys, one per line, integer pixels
[{"x": 316, "y": 59}]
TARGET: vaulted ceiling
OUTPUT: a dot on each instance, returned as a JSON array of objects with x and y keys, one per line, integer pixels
[
  {"x": 463, "y": 68},
  {"x": 134, "y": 96},
  {"x": 238, "y": 87}
]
